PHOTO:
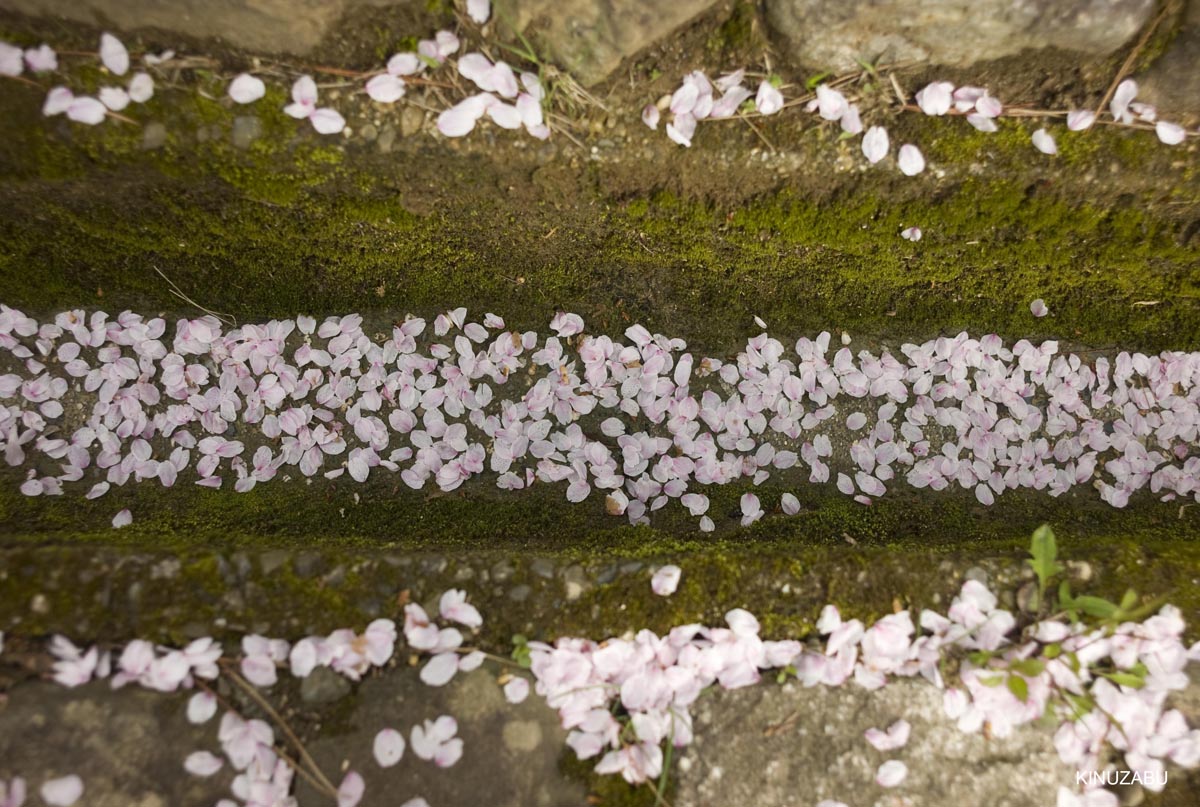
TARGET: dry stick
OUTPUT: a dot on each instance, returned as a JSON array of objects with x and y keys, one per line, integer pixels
[
  {"x": 287, "y": 730},
  {"x": 23, "y": 80},
  {"x": 761, "y": 136},
  {"x": 1133, "y": 54},
  {"x": 293, "y": 764},
  {"x": 178, "y": 293}
]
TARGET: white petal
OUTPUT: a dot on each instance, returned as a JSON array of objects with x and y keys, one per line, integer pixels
[
  {"x": 327, "y": 121},
  {"x": 122, "y": 519},
  {"x": 246, "y": 89},
  {"x": 113, "y": 54},
  {"x": 114, "y": 98},
  {"x": 385, "y": 88},
  {"x": 201, "y": 707},
  {"x": 404, "y": 64},
  {"x": 141, "y": 88},
  {"x": 769, "y": 100},
  {"x": 389, "y": 747},
  {"x": 516, "y": 690},
  {"x": 304, "y": 91},
  {"x": 912, "y": 234},
  {"x": 202, "y": 763},
  {"x": 505, "y": 116},
  {"x": 1170, "y": 133},
  {"x": 651, "y": 116},
  {"x": 1043, "y": 141},
  {"x": 891, "y": 773},
  {"x": 875, "y": 144},
  {"x": 62, "y": 792},
  {"x": 440, "y": 669},
  {"x": 58, "y": 100},
  {"x": 1080, "y": 120},
  {"x": 350, "y": 791},
  {"x": 911, "y": 161},
  {"x": 479, "y": 11},
  {"x": 666, "y": 580},
  {"x": 1038, "y": 308}
]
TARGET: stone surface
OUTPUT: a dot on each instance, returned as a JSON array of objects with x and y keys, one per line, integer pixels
[
  {"x": 511, "y": 754},
  {"x": 127, "y": 746},
  {"x": 763, "y": 745},
  {"x": 590, "y": 38},
  {"x": 1172, "y": 83},
  {"x": 833, "y": 34},
  {"x": 271, "y": 25}
]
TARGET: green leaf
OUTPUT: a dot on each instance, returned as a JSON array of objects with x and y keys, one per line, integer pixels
[
  {"x": 991, "y": 680},
  {"x": 819, "y": 78},
  {"x": 775, "y": 80},
  {"x": 1044, "y": 551},
  {"x": 1129, "y": 600},
  {"x": 1125, "y": 679},
  {"x": 1095, "y": 606},
  {"x": 1052, "y": 651},
  {"x": 1030, "y": 667},
  {"x": 1019, "y": 687}
]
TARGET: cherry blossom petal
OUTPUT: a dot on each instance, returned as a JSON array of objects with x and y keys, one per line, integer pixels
[
  {"x": 651, "y": 116},
  {"x": 141, "y": 88},
  {"x": 85, "y": 109},
  {"x": 385, "y": 88},
  {"x": 389, "y": 747},
  {"x": 911, "y": 161},
  {"x": 246, "y": 89},
  {"x": 58, "y": 101},
  {"x": 62, "y": 792},
  {"x": 1043, "y": 141},
  {"x": 516, "y": 690},
  {"x": 875, "y": 144},
  {"x": 1080, "y": 120},
  {"x": 122, "y": 519},
  {"x": 479, "y": 11},
  {"x": 115, "y": 98},
  {"x": 440, "y": 669},
  {"x": 202, "y": 763},
  {"x": 1038, "y": 308},
  {"x": 201, "y": 707},
  {"x": 1170, "y": 133},
  {"x": 891, "y": 773},
  {"x": 666, "y": 580},
  {"x": 350, "y": 791},
  {"x": 769, "y": 100},
  {"x": 327, "y": 121},
  {"x": 113, "y": 54},
  {"x": 911, "y": 234}
]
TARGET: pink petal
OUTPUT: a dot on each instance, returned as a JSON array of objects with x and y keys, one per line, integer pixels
[
  {"x": 651, "y": 116},
  {"x": 1038, "y": 308},
  {"x": 304, "y": 91},
  {"x": 1043, "y": 141},
  {"x": 62, "y": 792},
  {"x": 389, "y": 747},
  {"x": 911, "y": 161},
  {"x": 460, "y": 119},
  {"x": 113, "y": 54},
  {"x": 516, "y": 690},
  {"x": 440, "y": 669},
  {"x": 506, "y": 116},
  {"x": 350, "y": 791},
  {"x": 1119, "y": 106},
  {"x": 479, "y": 11},
  {"x": 891, "y": 773},
  {"x": 875, "y": 144},
  {"x": 114, "y": 98},
  {"x": 666, "y": 580},
  {"x": 58, "y": 100},
  {"x": 936, "y": 98},
  {"x": 1170, "y": 133},
  {"x": 141, "y": 88},
  {"x": 327, "y": 121},
  {"x": 201, "y": 707},
  {"x": 85, "y": 109},
  {"x": 385, "y": 88},
  {"x": 769, "y": 100},
  {"x": 202, "y": 763},
  {"x": 122, "y": 519},
  {"x": 246, "y": 89},
  {"x": 912, "y": 234},
  {"x": 1080, "y": 120}
]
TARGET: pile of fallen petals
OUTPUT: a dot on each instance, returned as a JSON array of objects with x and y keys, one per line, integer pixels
[
  {"x": 695, "y": 101},
  {"x": 92, "y": 402},
  {"x": 627, "y": 699}
]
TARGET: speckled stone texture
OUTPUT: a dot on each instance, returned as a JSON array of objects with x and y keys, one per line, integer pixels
[{"x": 834, "y": 34}]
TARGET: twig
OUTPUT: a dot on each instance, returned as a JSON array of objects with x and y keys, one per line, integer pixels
[
  {"x": 761, "y": 136},
  {"x": 296, "y": 766},
  {"x": 287, "y": 730},
  {"x": 227, "y": 318},
  {"x": 1127, "y": 66}
]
